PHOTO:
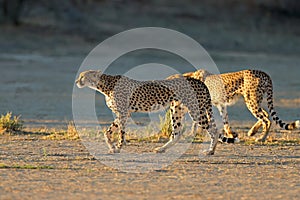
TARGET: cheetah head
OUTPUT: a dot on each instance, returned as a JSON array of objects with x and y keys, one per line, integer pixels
[
  {"x": 88, "y": 78},
  {"x": 200, "y": 74}
]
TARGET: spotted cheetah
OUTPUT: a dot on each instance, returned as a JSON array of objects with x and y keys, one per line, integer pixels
[
  {"x": 252, "y": 85},
  {"x": 125, "y": 96}
]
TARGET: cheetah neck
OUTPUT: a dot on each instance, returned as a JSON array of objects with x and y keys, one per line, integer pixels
[{"x": 107, "y": 84}]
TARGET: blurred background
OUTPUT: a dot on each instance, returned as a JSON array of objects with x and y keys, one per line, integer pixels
[{"x": 42, "y": 44}]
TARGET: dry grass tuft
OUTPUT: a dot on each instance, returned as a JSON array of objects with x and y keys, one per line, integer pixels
[
  {"x": 69, "y": 134},
  {"x": 10, "y": 124},
  {"x": 165, "y": 125}
]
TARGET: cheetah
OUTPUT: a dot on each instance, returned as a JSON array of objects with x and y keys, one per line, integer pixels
[
  {"x": 252, "y": 85},
  {"x": 125, "y": 96}
]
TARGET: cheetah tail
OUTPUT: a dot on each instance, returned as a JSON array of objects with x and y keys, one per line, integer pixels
[{"x": 286, "y": 126}]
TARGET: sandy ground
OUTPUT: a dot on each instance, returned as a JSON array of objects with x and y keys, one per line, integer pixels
[
  {"x": 39, "y": 61},
  {"x": 33, "y": 168}
]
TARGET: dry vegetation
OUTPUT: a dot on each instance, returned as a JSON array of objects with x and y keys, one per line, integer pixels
[
  {"x": 10, "y": 124},
  {"x": 60, "y": 134},
  {"x": 13, "y": 125}
]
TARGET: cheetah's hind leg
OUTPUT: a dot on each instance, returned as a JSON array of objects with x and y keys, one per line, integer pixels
[{"x": 177, "y": 112}]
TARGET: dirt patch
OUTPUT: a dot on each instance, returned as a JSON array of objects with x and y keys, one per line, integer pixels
[
  {"x": 33, "y": 168},
  {"x": 236, "y": 35}
]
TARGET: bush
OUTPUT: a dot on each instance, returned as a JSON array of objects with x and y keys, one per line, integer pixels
[{"x": 10, "y": 124}]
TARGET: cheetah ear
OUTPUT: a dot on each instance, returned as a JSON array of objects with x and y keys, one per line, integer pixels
[
  {"x": 190, "y": 74},
  {"x": 99, "y": 73},
  {"x": 93, "y": 71},
  {"x": 207, "y": 73}
]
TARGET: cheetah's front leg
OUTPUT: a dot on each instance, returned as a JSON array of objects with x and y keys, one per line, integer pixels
[
  {"x": 227, "y": 129},
  {"x": 214, "y": 136},
  {"x": 108, "y": 136}
]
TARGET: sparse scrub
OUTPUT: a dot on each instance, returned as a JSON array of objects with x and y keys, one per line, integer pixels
[
  {"x": 27, "y": 166},
  {"x": 71, "y": 131},
  {"x": 165, "y": 125},
  {"x": 69, "y": 134},
  {"x": 10, "y": 124},
  {"x": 163, "y": 135}
]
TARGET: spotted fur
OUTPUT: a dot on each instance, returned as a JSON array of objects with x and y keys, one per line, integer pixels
[
  {"x": 252, "y": 85},
  {"x": 124, "y": 96}
]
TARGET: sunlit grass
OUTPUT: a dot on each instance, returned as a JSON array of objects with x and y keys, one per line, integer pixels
[
  {"x": 60, "y": 134},
  {"x": 159, "y": 132},
  {"x": 165, "y": 124},
  {"x": 276, "y": 137},
  {"x": 17, "y": 166},
  {"x": 10, "y": 123}
]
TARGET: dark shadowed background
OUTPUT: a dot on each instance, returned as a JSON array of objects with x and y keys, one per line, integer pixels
[{"x": 42, "y": 44}]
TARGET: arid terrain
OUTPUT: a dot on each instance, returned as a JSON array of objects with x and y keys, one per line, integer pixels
[
  {"x": 33, "y": 167},
  {"x": 39, "y": 60}
]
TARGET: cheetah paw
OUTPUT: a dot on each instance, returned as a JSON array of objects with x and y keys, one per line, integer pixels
[
  {"x": 260, "y": 140},
  {"x": 297, "y": 124},
  {"x": 208, "y": 152},
  {"x": 112, "y": 151},
  {"x": 159, "y": 150}
]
